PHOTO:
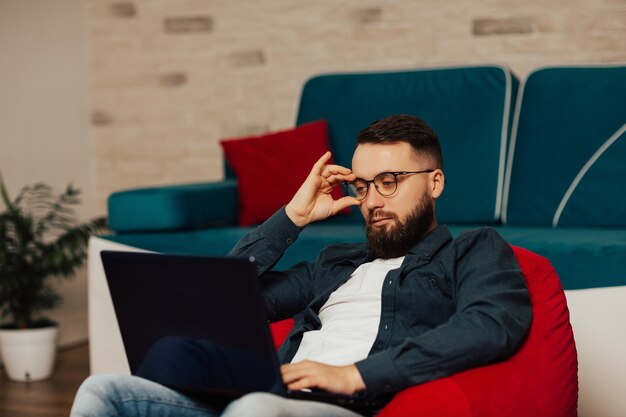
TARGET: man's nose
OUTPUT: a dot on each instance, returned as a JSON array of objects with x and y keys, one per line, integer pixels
[{"x": 373, "y": 199}]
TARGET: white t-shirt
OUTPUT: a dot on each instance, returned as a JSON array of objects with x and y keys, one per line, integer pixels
[{"x": 350, "y": 317}]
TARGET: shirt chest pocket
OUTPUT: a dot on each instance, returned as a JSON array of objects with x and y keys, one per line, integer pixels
[
  {"x": 428, "y": 283},
  {"x": 439, "y": 285},
  {"x": 427, "y": 298}
]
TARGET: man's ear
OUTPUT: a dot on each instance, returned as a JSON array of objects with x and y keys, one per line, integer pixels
[{"x": 437, "y": 183}]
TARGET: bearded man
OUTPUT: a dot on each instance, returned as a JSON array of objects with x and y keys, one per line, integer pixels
[{"x": 410, "y": 305}]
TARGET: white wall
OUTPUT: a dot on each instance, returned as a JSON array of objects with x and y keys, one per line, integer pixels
[
  {"x": 44, "y": 132},
  {"x": 169, "y": 79}
]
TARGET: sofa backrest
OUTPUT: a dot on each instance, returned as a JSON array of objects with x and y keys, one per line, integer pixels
[
  {"x": 469, "y": 108},
  {"x": 567, "y": 163}
]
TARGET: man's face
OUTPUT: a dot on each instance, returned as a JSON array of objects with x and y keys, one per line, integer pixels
[{"x": 394, "y": 223}]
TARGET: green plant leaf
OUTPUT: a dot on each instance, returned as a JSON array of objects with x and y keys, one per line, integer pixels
[
  {"x": 39, "y": 239},
  {"x": 5, "y": 194}
]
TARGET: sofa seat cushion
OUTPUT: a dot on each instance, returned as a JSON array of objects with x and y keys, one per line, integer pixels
[
  {"x": 583, "y": 257},
  {"x": 174, "y": 207},
  {"x": 219, "y": 240}
]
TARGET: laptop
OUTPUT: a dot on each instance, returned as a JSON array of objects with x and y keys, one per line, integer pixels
[{"x": 198, "y": 325}]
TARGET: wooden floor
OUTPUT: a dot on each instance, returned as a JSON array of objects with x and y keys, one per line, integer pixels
[{"x": 50, "y": 398}]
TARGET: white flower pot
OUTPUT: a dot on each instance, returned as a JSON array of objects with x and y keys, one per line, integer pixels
[{"x": 28, "y": 354}]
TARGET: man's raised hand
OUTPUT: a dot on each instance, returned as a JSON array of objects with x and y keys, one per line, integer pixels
[{"x": 313, "y": 201}]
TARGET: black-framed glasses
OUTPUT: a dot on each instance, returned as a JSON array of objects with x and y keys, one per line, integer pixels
[{"x": 386, "y": 183}]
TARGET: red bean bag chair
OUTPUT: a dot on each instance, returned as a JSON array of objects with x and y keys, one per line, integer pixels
[{"x": 539, "y": 380}]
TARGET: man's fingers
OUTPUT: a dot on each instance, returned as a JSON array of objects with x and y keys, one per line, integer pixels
[
  {"x": 300, "y": 384},
  {"x": 300, "y": 375},
  {"x": 335, "y": 169},
  {"x": 336, "y": 178},
  {"x": 294, "y": 371},
  {"x": 318, "y": 167},
  {"x": 311, "y": 374},
  {"x": 344, "y": 202}
]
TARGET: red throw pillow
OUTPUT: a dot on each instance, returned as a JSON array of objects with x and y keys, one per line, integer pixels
[{"x": 270, "y": 168}]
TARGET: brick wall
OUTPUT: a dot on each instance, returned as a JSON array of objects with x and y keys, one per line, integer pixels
[{"x": 170, "y": 78}]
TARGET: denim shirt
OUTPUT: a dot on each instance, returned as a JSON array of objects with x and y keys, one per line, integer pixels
[{"x": 454, "y": 304}]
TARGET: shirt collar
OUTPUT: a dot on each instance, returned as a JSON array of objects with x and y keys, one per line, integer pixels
[
  {"x": 431, "y": 244},
  {"x": 424, "y": 249}
]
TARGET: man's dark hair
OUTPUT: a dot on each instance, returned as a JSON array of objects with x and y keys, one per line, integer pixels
[{"x": 404, "y": 128}]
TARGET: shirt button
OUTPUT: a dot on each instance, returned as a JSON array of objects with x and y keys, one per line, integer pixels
[
  {"x": 252, "y": 259},
  {"x": 386, "y": 326},
  {"x": 289, "y": 241},
  {"x": 433, "y": 282},
  {"x": 390, "y": 282}
]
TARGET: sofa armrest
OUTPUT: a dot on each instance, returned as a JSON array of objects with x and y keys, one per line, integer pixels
[
  {"x": 106, "y": 349},
  {"x": 175, "y": 207}
]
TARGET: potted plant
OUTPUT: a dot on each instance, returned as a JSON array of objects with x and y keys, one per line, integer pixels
[{"x": 39, "y": 239}]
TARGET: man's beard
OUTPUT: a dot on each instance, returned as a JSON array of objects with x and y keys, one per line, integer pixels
[{"x": 395, "y": 241}]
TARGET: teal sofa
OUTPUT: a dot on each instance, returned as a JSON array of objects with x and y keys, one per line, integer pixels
[
  {"x": 509, "y": 161},
  {"x": 542, "y": 160},
  {"x": 469, "y": 107}
]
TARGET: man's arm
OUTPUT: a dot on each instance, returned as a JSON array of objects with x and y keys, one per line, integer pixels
[
  {"x": 266, "y": 244},
  {"x": 493, "y": 315},
  {"x": 286, "y": 292},
  {"x": 311, "y": 203}
]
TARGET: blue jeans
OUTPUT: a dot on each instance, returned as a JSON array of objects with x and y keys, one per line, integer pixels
[{"x": 130, "y": 396}]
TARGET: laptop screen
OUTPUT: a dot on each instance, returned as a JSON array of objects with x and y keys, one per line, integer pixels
[{"x": 197, "y": 324}]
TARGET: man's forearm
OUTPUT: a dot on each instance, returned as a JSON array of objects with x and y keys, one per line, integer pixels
[
  {"x": 267, "y": 243},
  {"x": 445, "y": 350},
  {"x": 285, "y": 293}
]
